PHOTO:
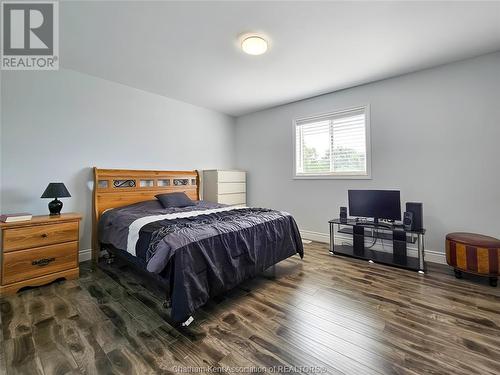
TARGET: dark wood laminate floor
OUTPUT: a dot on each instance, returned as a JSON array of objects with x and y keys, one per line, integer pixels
[{"x": 335, "y": 314}]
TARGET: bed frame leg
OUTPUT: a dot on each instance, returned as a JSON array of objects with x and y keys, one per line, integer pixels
[
  {"x": 108, "y": 257},
  {"x": 273, "y": 271}
]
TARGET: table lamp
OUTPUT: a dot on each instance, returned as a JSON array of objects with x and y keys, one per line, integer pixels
[{"x": 56, "y": 190}]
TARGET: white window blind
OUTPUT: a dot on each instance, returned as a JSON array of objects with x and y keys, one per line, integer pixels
[{"x": 332, "y": 145}]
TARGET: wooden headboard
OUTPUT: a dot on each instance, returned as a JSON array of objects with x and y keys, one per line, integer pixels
[{"x": 115, "y": 188}]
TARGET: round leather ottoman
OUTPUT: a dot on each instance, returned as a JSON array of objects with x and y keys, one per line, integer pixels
[{"x": 473, "y": 253}]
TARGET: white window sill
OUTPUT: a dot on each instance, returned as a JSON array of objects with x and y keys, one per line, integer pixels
[{"x": 332, "y": 177}]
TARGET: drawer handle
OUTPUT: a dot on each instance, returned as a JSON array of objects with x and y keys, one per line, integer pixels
[
  {"x": 42, "y": 262},
  {"x": 45, "y": 235}
]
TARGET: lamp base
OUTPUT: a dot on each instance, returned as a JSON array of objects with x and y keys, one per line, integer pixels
[{"x": 55, "y": 207}]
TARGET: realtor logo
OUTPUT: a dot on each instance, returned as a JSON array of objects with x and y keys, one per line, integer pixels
[{"x": 30, "y": 35}]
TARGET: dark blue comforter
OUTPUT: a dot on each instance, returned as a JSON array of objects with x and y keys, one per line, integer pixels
[{"x": 207, "y": 254}]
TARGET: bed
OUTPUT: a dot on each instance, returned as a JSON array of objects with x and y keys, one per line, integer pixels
[{"x": 194, "y": 253}]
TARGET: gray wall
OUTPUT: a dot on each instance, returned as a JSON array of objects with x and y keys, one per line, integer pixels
[
  {"x": 1, "y": 121},
  {"x": 435, "y": 135},
  {"x": 57, "y": 125}
]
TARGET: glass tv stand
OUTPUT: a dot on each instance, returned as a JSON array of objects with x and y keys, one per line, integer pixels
[{"x": 396, "y": 238}]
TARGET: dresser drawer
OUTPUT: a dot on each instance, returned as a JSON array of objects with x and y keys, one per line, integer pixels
[
  {"x": 26, "y": 264},
  {"x": 231, "y": 187},
  {"x": 232, "y": 199},
  {"x": 231, "y": 176},
  {"x": 39, "y": 235}
]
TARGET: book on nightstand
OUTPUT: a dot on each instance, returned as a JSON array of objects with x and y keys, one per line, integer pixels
[{"x": 12, "y": 218}]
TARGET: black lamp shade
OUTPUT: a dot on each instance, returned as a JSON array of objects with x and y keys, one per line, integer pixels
[{"x": 56, "y": 190}]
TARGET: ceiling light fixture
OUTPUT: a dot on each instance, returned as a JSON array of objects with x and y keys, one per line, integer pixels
[{"x": 254, "y": 45}]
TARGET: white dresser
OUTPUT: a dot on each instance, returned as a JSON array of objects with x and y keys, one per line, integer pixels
[{"x": 225, "y": 186}]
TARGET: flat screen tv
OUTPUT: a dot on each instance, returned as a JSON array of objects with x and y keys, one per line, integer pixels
[{"x": 377, "y": 204}]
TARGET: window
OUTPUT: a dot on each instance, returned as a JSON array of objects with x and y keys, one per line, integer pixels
[{"x": 335, "y": 145}]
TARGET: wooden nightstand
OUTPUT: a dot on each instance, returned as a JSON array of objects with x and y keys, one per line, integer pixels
[{"x": 39, "y": 251}]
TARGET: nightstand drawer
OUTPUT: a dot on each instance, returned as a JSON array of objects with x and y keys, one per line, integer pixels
[
  {"x": 26, "y": 264},
  {"x": 39, "y": 235}
]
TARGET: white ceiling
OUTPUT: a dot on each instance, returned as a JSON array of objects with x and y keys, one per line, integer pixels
[{"x": 189, "y": 50}]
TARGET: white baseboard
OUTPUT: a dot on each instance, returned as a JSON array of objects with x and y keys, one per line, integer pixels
[
  {"x": 315, "y": 236},
  {"x": 432, "y": 256},
  {"x": 84, "y": 255}
]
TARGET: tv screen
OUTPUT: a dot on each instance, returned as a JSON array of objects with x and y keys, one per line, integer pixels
[{"x": 380, "y": 204}]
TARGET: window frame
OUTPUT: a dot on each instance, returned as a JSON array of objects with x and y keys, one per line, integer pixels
[{"x": 333, "y": 175}]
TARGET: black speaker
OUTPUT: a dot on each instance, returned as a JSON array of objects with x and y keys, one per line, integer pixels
[
  {"x": 408, "y": 220},
  {"x": 399, "y": 246},
  {"x": 358, "y": 239},
  {"x": 343, "y": 214},
  {"x": 417, "y": 209}
]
